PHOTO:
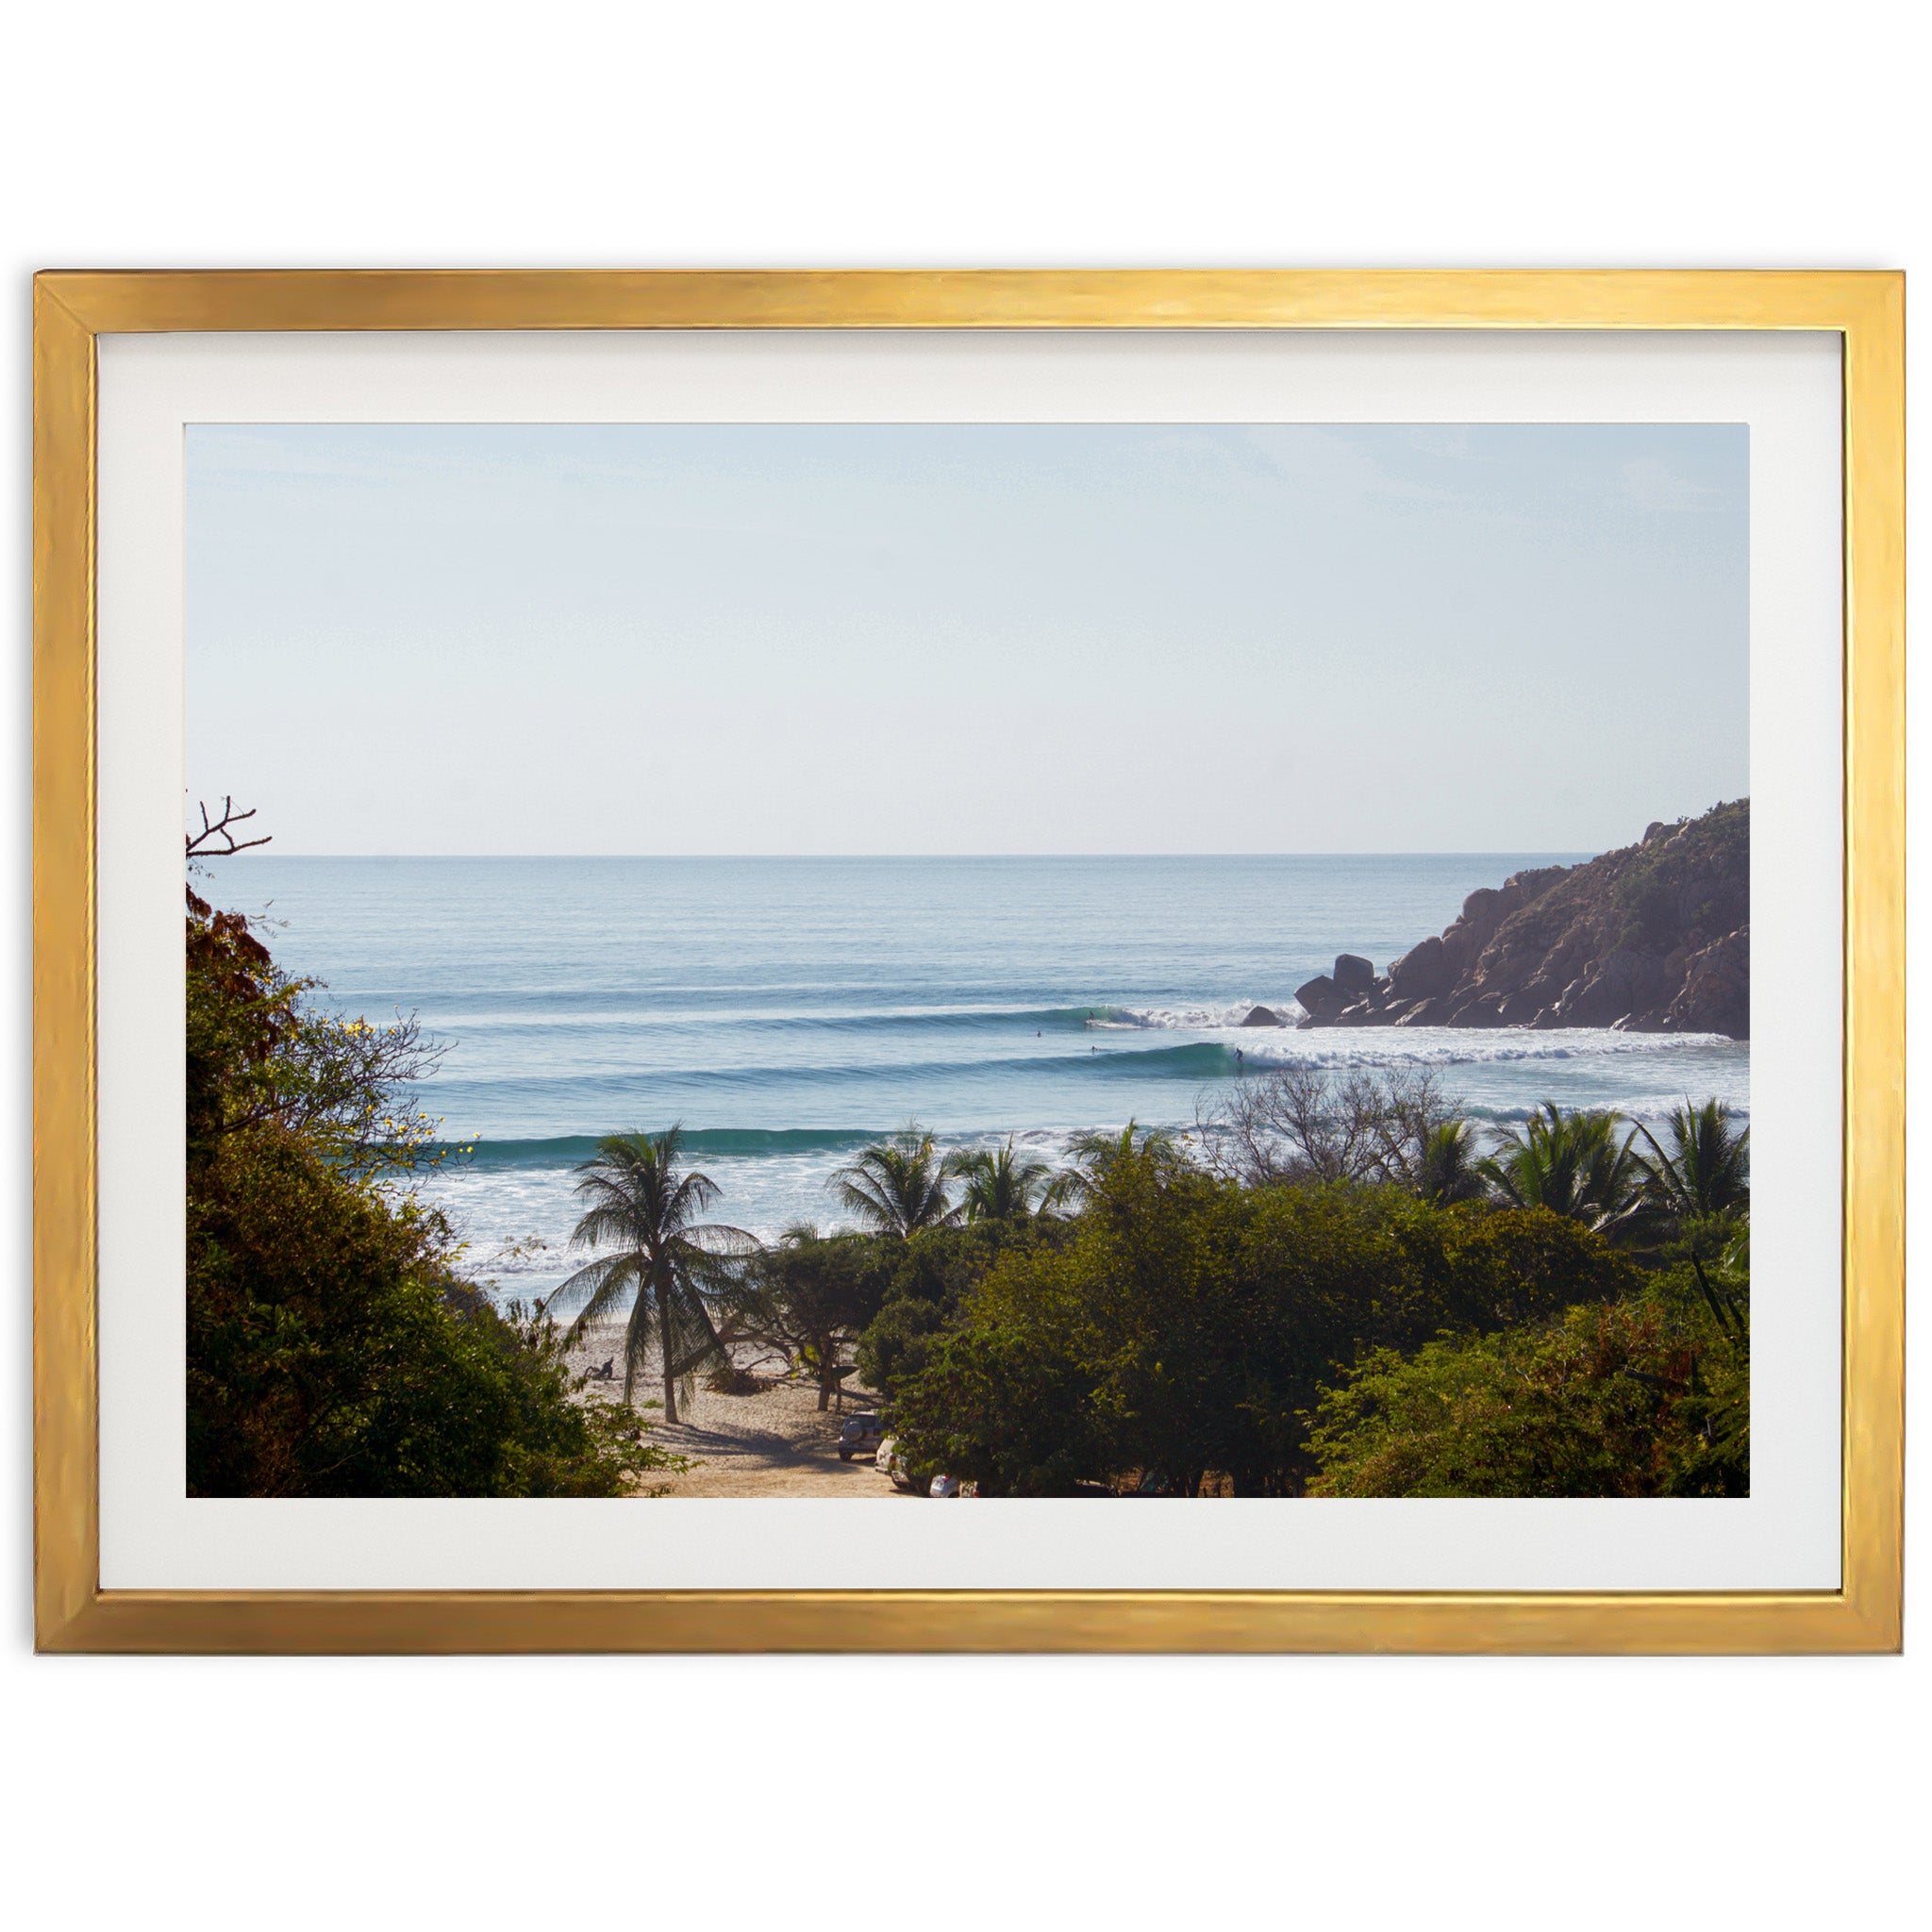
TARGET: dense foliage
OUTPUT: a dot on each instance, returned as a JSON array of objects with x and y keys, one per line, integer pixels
[
  {"x": 1649, "y": 1396},
  {"x": 924, "y": 1287},
  {"x": 1343, "y": 1299},
  {"x": 1190, "y": 1323},
  {"x": 331, "y": 1349}
]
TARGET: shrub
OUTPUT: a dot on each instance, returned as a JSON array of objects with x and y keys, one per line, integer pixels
[
  {"x": 1189, "y": 1325},
  {"x": 923, "y": 1283},
  {"x": 331, "y": 1349},
  {"x": 1649, "y": 1396}
]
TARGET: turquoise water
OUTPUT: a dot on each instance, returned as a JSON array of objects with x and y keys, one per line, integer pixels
[{"x": 788, "y": 1009}]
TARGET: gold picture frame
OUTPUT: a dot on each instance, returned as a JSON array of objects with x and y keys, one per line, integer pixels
[{"x": 75, "y": 1613}]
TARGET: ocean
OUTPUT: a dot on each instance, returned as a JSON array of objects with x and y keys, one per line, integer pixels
[{"x": 786, "y": 1010}]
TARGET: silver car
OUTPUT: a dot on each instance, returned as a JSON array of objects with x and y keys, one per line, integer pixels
[{"x": 860, "y": 1435}]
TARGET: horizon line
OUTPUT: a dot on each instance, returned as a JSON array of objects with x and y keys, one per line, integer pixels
[{"x": 1359, "y": 852}]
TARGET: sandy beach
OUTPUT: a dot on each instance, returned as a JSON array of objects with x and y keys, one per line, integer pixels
[{"x": 774, "y": 1443}]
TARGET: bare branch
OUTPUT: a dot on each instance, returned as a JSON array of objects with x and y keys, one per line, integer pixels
[
  {"x": 202, "y": 845},
  {"x": 1299, "y": 1122}
]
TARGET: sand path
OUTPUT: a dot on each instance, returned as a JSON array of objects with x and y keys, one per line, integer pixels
[{"x": 776, "y": 1442}]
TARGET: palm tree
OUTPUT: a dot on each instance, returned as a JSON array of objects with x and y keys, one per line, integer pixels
[
  {"x": 899, "y": 1186},
  {"x": 1001, "y": 1186},
  {"x": 645, "y": 1207},
  {"x": 1097, "y": 1155},
  {"x": 1702, "y": 1176},
  {"x": 1449, "y": 1168},
  {"x": 1572, "y": 1164}
]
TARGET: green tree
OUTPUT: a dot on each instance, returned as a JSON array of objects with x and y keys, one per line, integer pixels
[
  {"x": 899, "y": 1186},
  {"x": 927, "y": 1280},
  {"x": 331, "y": 1349},
  {"x": 1696, "y": 1181},
  {"x": 1574, "y": 1164},
  {"x": 646, "y": 1206},
  {"x": 1096, "y": 1154},
  {"x": 1449, "y": 1167},
  {"x": 810, "y": 1296},
  {"x": 1001, "y": 1185},
  {"x": 1647, "y": 1396},
  {"x": 1014, "y": 1410},
  {"x": 261, "y": 1052}
]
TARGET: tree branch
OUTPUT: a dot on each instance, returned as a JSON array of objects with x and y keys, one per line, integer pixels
[{"x": 201, "y": 844}]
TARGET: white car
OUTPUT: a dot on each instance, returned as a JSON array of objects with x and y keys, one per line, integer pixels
[
  {"x": 952, "y": 1486},
  {"x": 889, "y": 1462}
]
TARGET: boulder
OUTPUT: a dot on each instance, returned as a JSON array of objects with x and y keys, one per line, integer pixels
[
  {"x": 1319, "y": 997},
  {"x": 1522, "y": 887},
  {"x": 1484, "y": 907},
  {"x": 1263, "y": 1016},
  {"x": 1353, "y": 973},
  {"x": 1420, "y": 971}
]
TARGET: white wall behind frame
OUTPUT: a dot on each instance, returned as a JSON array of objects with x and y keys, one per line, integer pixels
[{"x": 1439, "y": 1791}]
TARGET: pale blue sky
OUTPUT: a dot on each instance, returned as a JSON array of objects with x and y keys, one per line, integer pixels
[{"x": 971, "y": 637}]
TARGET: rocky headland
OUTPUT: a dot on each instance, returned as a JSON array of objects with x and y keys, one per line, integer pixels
[{"x": 1652, "y": 938}]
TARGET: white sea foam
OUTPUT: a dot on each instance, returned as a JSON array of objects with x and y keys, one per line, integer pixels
[
  {"x": 1392, "y": 1046},
  {"x": 1451, "y": 1046},
  {"x": 1204, "y": 1019}
]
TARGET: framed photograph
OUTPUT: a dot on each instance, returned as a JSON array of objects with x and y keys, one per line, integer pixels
[{"x": 674, "y": 911}]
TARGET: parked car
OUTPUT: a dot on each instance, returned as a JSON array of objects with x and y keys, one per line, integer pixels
[
  {"x": 860, "y": 1435},
  {"x": 952, "y": 1486},
  {"x": 891, "y": 1463}
]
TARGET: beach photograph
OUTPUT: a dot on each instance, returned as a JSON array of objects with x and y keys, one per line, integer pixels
[{"x": 960, "y": 962}]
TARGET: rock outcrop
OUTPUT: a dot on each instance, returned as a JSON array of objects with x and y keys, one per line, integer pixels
[
  {"x": 1321, "y": 998},
  {"x": 1654, "y": 938}
]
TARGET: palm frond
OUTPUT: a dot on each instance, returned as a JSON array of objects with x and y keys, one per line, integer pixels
[
  {"x": 1706, "y": 1170},
  {"x": 1000, "y": 1186},
  {"x": 898, "y": 1186},
  {"x": 591, "y": 1290},
  {"x": 690, "y": 1337},
  {"x": 706, "y": 1251},
  {"x": 1450, "y": 1168},
  {"x": 1098, "y": 1154},
  {"x": 1572, "y": 1165},
  {"x": 637, "y": 1339},
  {"x": 688, "y": 1198},
  {"x": 604, "y": 1226}
]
